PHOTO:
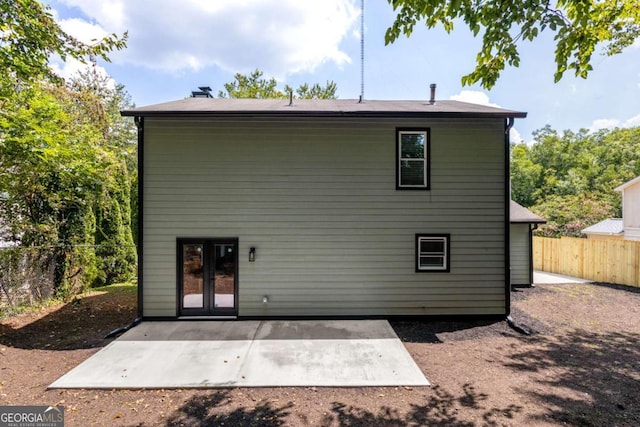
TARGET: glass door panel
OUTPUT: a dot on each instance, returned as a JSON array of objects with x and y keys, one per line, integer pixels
[
  {"x": 193, "y": 275},
  {"x": 207, "y": 277},
  {"x": 224, "y": 288}
]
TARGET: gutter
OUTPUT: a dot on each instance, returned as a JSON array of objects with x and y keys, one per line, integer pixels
[
  {"x": 321, "y": 114},
  {"x": 507, "y": 217}
]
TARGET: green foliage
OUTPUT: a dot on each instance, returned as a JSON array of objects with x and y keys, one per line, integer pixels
[
  {"x": 49, "y": 177},
  {"x": 569, "y": 178},
  {"x": 29, "y": 36},
  {"x": 65, "y": 186},
  {"x": 114, "y": 231},
  {"x": 255, "y": 86},
  {"x": 526, "y": 176},
  {"x": 315, "y": 91},
  {"x": 567, "y": 215},
  {"x": 124, "y": 288},
  {"x": 579, "y": 28},
  {"x": 25, "y": 278},
  {"x": 65, "y": 160},
  {"x": 10, "y": 308}
]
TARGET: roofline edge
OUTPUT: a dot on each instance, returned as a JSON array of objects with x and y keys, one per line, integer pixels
[{"x": 328, "y": 114}]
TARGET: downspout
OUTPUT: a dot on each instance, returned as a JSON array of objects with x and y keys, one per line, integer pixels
[
  {"x": 140, "y": 125},
  {"x": 139, "y": 121},
  {"x": 507, "y": 231},
  {"x": 507, "y": 221}
]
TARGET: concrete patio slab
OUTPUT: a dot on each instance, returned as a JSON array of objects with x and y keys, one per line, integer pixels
[
  {"x": 542, "y": 277},
  {"x": 203, "y": 354}
]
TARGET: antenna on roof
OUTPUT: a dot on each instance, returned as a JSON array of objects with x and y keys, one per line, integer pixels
[
  {"x": 204, "y": 92},
  {"x": 361, "y": 50}
]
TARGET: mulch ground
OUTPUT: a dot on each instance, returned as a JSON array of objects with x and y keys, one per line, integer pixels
[{"x": 580, "y": 366}]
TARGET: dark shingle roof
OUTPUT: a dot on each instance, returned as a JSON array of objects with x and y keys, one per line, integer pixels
[
  {"x": 520, "y": 214},
  {"x": 320, "y": 108}
]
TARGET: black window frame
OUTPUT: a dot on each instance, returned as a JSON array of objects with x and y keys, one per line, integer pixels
[
  {"x": 209, "y": 308},
  {"x": 447, "y": 253},
  {"x": 427, "y": 158}
]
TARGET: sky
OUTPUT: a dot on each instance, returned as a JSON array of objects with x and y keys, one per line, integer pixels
[{"x": 174, "y": 47}]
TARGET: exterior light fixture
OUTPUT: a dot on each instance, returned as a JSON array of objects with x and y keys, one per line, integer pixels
[{"x": 252, "y": 254}]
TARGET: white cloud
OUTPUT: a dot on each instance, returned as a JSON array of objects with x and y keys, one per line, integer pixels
[
  {"x": 633, "y": 121},
  {"x": 604, "y": 124},
  {"x": 514, "y": 136},
  {"x": 474, "y": 97},
  {"x": 481, "y": 98},
  {"x": 72, "y": 68},
  {"x": 84, "y": 31},
  {"x": 613, "y": 123},
  {"x": 67, "y": 69},
  {"x": 278, "y": 36}
]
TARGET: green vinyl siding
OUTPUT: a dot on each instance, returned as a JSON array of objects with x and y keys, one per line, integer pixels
[
  {"x": 318, "y": 201},
  {"x": 520, "y": 254}
]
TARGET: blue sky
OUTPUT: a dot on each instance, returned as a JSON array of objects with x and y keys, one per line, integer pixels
[{"x": 174, "y": 47}]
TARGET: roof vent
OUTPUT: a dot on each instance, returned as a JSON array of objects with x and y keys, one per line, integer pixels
[
  {"x": 432, "y": 100},
  {"x": 204, "y": 92}
]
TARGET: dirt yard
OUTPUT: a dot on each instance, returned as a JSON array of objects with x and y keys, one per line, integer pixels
[{"x": 581, "y": 366}]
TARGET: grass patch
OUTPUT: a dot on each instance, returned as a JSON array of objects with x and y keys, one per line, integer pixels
[
  {"x": 8, "y": 310},
  {"x": 116, "y": 289}
]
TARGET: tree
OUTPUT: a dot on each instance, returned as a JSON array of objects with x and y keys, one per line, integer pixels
[
  {"x": 569, "y": 177},
  {"x": 65, "y": 184},
  {"x": 315, "y": 91},
  {"x": 256, "y": 86},
  {"x": 526, "y": 176},
  {"x": 29, "y": 36},
  {"x": 568, "y": 215},
  {"x": 580, "y": 28},
  {"x": 62, "y": 186},
  {"x": 103, "y": 100},
  {"x": 50, "y": 174}
]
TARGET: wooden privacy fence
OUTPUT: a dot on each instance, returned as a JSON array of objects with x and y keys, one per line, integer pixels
[{"x": 611, "y": 261}]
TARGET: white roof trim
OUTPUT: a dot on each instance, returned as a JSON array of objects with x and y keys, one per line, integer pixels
[{"x": 628, "y": 184}]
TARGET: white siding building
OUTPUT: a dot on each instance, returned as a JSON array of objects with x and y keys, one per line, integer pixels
[
  {"x": 627, "y": 227},
  {"x": 631, "y": 208}
]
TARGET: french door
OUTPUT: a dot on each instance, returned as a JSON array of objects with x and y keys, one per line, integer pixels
[{"x": 207, "y": 277}]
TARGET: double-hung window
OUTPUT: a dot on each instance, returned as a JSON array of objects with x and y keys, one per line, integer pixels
[
  {"x": 432, "y": 252},
  {"x": 412, "y": 149}
]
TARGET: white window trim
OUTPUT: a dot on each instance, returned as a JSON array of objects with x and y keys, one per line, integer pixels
[{"x": 445, "y": 238}]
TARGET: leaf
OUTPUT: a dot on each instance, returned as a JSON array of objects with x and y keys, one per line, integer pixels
[{"x": 579, "y": 27}]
